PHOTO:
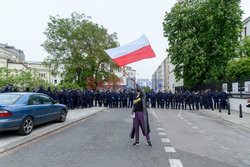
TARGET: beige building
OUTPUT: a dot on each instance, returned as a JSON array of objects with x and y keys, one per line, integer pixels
[
  {"x": 164, "y": 78},
  {"x": 14, "y": 59}
]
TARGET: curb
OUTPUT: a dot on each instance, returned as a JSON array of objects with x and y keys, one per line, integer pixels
[{"x": 46, "y": 131}]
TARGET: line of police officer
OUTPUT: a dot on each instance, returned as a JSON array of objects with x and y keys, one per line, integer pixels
[
  {"x": 180, "y": 100},
  {"x": 79, "y": 98}
]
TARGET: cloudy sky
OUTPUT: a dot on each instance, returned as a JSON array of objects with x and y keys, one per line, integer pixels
[{"x": 24, "y": 21}]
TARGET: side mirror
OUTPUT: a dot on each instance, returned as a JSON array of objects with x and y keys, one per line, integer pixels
[{"x": 54, "y": 102}]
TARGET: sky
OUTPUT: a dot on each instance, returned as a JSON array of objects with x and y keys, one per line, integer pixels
[{"x": 22, "y": 23}]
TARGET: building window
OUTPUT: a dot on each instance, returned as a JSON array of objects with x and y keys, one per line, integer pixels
[
  {"x": 245, "y": 31},
  {"x": 41, "y": 75},
  {"x": 55, "y": 81}
]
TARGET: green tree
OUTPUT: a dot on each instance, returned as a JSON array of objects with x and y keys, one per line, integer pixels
[
  {"x": 238, "y": 68},
  {"x": 78, "y": 45},
  {"x": 21, "y": 78},
  {"x": 244, "y": 49},
  {"x": 203, "y": 37}
]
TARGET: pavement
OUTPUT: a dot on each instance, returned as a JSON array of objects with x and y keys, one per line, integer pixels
[
  {"x": 233, "y": 118},
  {"x": 9, "y": 140}
]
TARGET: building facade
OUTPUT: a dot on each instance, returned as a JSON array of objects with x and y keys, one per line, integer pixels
[
  {"x": 246, "y": 28},
  {"x": 14, "y": 60},
  {"x": 164, "y": 78},
  {"x": 126, "y": 83}
]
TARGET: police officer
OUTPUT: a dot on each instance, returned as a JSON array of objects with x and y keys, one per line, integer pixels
[
  {"x": 131, "y": 98},
  {"x": 181, "y": 100},
  {"x": 209, "y": 99},
  {"x": 223, "y": 97},
  {"x": 80, "y": 94},
  {"x": 197, "y": 100},
  {"x": 1, "y": 91},
  {"x": 49, "y": 92},
  {"x": 125, "y": 98},
  {"x": 27, "y": 89},
  {"x": 169, "y": 99},
  {"x": 55, "y": 95},
  {"x": 153, "y": 98},
  {"x": 165, "y": 97},
  {"x": 41, "y": 90},
  {"x": 216, "y": 99}
]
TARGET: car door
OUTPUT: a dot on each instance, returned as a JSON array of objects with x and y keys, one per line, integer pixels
[
  {"x": 52, "y": 110},
  {"x": 37, "y": 108}
]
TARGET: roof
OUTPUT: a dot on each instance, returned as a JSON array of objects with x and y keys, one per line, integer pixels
[
  {"x": 246, "y": 20},
  {"x": 33, "y": 62},
  {"x": 12, "y": 49}
]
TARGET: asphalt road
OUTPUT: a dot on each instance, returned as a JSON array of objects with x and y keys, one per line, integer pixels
[
  {"x": 179, "y": 138},
  {"x": 99, "y": 141},
  {"x": 204, "y": 141}
]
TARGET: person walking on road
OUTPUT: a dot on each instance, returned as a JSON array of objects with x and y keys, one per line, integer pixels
[{"x": 140, "y": 117}]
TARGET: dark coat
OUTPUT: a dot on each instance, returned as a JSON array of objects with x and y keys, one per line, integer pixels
[{"x": 145, "y": 114}]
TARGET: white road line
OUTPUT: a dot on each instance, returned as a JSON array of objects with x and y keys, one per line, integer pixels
[
  {"x": 165, "y": 140},
  {"x": 159, "y": 129},
  {"x": 170, "y": 149},
  {"x": 162, "y": 133},
  {"x": 189, "y": 123},
  {"x": 181, "y": 118},
  {"x": 210, "y": 138},
  {"x": 194, "y": 127},
  {"x": 175, "y": 163},
  {"x": 225, "y": 148},
  {"x": 201, "y": 131}
]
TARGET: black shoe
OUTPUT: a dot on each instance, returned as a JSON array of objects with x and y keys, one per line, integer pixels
[
  {"x": 136, "y": 143},
  {"x": 149, "y": 143}
]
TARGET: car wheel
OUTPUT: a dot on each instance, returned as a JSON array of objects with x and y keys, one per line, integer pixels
[
  {"x": 63, "y": 116},
  {"x": 26, "y": 126}
]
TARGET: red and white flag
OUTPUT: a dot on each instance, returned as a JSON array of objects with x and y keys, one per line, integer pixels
[{"x": 131, "y": 52}]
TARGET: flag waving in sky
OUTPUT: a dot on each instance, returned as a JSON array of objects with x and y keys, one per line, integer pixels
[{"x": 132, "y": 52}]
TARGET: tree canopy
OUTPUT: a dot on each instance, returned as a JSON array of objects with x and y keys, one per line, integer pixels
[
  {"x": 77, "y": 44},
  {"x": 203, "y": 37},
  {"x": 21, "y": 78}
]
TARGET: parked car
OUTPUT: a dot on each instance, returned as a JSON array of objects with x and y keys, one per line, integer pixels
[
  {"x": 248, "y": 103},
  {"x": 23, "y": 110}
]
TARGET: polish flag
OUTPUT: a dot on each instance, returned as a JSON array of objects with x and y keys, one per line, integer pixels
[{"x": 131, "y": 52}]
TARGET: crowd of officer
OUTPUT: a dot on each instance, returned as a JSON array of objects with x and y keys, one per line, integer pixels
[
  {"x": 79, "y": 98},
  {"x": 191, "y": 99}
]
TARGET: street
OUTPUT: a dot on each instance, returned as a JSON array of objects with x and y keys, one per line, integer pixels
[{"x": 179, "y": 138}]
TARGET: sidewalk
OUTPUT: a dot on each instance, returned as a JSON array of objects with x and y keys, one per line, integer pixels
[
  {"x": 233, "y": 118},
  {"x": 9, "y": 140}
]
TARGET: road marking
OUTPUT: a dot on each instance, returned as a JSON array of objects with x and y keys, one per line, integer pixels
[
  {"x": 170, "y": 149},
  {"x": 165, "y": 140},
  {"x": 189, "y": 123},
  {"x": 201, "y": 131},
  {"x": 210, "y": 138},
  {"x": 194, "y": 127},
  {"x": 181, "y": 118},
  {"x": 225, "y": 148},
  {"x": 162, "y": 133},
  {"x": 175, "y": 163},
  {"x": 159, "y": 129}
]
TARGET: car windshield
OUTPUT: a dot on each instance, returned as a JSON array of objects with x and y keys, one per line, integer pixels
[{"x": 8, "y": 99}]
